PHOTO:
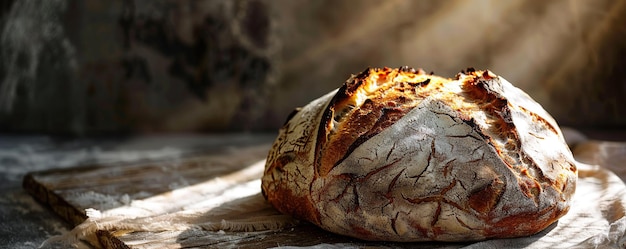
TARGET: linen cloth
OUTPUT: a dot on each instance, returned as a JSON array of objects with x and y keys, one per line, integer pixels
[{"x": 597, "y": 218}]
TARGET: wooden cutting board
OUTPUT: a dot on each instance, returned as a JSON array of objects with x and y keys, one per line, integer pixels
[{"x": 164, "y": 187}]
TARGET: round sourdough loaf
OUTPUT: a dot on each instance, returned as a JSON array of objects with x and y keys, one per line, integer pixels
[{"x": 400, "y": 155}]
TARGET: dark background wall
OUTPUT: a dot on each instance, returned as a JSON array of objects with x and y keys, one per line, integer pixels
[{"x": 94, "y": 67}]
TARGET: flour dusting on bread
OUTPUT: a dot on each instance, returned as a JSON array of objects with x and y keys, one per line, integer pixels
[{"x": 401, "y": 155}]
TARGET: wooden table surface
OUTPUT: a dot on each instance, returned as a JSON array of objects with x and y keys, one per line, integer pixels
[{"x": 26, "y": 223}]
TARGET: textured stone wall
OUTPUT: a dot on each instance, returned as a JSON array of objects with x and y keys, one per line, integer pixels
[{"x": 89, "y": 67}]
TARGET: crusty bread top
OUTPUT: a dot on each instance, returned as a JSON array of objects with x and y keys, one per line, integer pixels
[
  {"x": 473, "y": 147},
  {"x": 373, "y": 100}
]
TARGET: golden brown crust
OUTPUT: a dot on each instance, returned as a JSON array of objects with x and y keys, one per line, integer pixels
[
  {"x": 396, "y": 154},
  {"x": 365, "y": 105}
]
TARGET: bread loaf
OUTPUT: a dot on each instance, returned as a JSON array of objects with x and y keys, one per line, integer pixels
[{"x": 401, "y": 155}]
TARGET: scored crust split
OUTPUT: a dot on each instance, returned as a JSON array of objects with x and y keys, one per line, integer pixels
[{"x": 401, "y": 155}]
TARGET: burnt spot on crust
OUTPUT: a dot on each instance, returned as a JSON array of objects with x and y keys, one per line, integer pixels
[
  {"x": 423, "y": 83},
  {"x": 407, "y": 69},
  {"x": 350, "y": 87}
]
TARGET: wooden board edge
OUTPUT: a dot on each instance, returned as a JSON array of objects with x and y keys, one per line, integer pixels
[
  {"x": 62, "y": 208},
  {"x": 50, "y": 199}
]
